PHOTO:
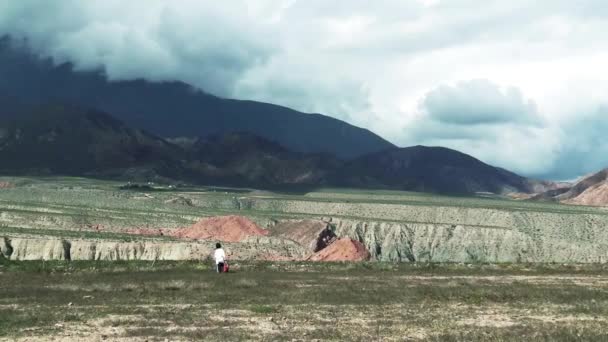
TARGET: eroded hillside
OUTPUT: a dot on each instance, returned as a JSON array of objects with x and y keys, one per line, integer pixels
[{"x": 81, "y": 219}]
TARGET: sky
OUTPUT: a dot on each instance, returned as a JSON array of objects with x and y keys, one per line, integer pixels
[{"x": 519, "y": 84}]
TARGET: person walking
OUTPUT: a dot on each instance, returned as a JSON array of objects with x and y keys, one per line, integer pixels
[{"x": 220, "y": 257}]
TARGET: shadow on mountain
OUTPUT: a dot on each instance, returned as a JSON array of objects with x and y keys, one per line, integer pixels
[{"x": 175, "y": 109}]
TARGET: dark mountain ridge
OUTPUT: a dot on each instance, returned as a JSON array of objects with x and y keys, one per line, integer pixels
[
  {"x": 70, "y": 140},
  {"x": 273, "y": 146},
  {"x": 65, "y": 139},
  {"x": 432, "y": 169},
  {"x": 245, "y": 159},
  {"x": 176, "y": 109}
]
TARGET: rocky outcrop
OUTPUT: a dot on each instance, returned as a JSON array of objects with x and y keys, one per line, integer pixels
[
  {"x": 269, "y": 248},
  {"x": 6, "y": 248},
  {"x": 30, "y": 248},
  {"x": 116, "y": 250},
  {"x": 458, "y": 235},
  {"x": 312, "y": 234},
  {"x": 458, "y": 243},
  {"x": 36, "y": 249},
  {"x": 500, "y": 217}
]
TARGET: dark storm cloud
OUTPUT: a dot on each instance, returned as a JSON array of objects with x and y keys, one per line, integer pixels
[
  {"x": 377, "y": 64},
  {"x": 584, "y": 146},
  {"x": 208, "y": 46}
]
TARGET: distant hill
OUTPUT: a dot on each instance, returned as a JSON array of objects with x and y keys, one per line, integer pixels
[
  {"x": 11, "y": 107},
  {"x": 69, "y": 140},
  {"x": 432, "y": 169},
  {"x": 590, "y": 190},
  {"x": 175, "y": 109},
  {"x": 246, "y": 159}
]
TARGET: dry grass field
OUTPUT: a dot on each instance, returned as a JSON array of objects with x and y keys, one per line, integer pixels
[{"x": 181, "y": 301}]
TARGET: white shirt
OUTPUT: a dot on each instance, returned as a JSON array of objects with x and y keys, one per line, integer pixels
[{"x": 219, "y": 255}]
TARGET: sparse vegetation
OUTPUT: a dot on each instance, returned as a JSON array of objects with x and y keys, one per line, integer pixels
[
  {"x": 304, "y": 301},
  {"x": 187, "y": 300}
]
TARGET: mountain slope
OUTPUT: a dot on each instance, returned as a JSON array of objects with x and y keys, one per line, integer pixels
[
  {"x": 431, "y": 169},
  {"x": 70, "y": 140},
  {"x": 175, "y": 109},
  {"x": 591, "y": 190},
  {"x": 244, "y": 159},
  {"x": 10, "y": 107},
  {"x": 63, "y": 139}
]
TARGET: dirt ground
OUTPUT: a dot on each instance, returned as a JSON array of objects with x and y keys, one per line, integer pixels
[
  {"x": 300, "y": 302},
  {"x": 342, "y": 250}
]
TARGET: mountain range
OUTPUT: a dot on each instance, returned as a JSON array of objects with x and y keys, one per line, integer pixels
[
  {"x": 433, "y": 169},
  {"x": 71, "y": 140},
  {"x": 55, "y": 120},
  {"x": 174, "y": 109},
  {"x": 64, "y": 139}
]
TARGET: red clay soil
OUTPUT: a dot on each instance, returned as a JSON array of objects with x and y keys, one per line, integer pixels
[
  {"x": 344, "y": 249},
  {"x": 597, "y": 195},
  {"x": 221, "y": 228},
  {"x": 584, "y": 184}
]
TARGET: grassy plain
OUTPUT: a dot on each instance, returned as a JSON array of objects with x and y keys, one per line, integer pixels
[{"x": 302, "y": 301}]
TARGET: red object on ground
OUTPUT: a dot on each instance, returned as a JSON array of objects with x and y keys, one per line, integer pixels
[{"x": 226, "y": 267}]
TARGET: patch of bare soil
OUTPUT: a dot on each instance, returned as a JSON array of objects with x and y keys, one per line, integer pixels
[
  {"x": 342, "y": 250},
  {"x": 275, "y": 257},
  {"x": 490, "y": 320},
  {"x": 6, "y": 185},
  {"x": 312, "y": 234},
  {"x": 222, "y": 228},
  {"x": 520, "y": 196},
  {"x": 547, "y": 280},
  {"x": 146, "y": 231},
  {"x": 181, "y": 201},
  {"x": 596, "y": 195}
]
